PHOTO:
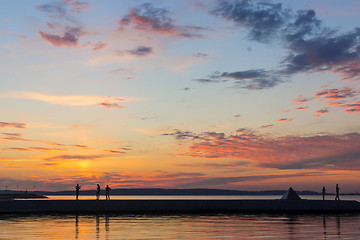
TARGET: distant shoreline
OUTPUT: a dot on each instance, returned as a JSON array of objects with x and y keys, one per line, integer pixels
[{"x": 167, "y": 192}]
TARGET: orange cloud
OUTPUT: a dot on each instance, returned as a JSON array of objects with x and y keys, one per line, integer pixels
[
  {"x": 320, "y": 151},
  {"x": 12, "y": 124},
  {"x": 72, "y": 100},
  {"x": 286, "y": 119},
  {"x": 322, "y": 111}
]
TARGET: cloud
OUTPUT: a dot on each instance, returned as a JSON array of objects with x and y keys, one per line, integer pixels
[
  {"x": 286, "y": 120},
  {"x": 217, "y": 165},
  {"x": 318, "y": 151},
  {"x": 264, "y": 19},
  {"x": 72, "y": 100},
  {"x": 53, "y": 9},
  {"x": 345, "y": 98},
  {"x": 19, "y": 137},
  {"x": 253, "y": 79},
  {"x": 335, "y": 94},
  {"x": 200, "y": 55},
  {"x": 322, "y": 111},
  {"x": 148, "y": 18},
  {"x": 302, "y": 108},
  {"x": 99, "y": 46},
  {"x": 141, "y": 51},
  {"x": 311, "y": 46},
  {"x": 203, "y": 80},
  {"x": 41, "y": 149},
  {"x": 179, "y": 134},
  {"x": 219, "y": 182},
  {"x": 300, "y": 99},
  {"x": 12, "y": 124},
  {"x": 256, "y": 79},
  {"x": 68, "y": 40},
  {"x": 267, "y": 126},
  {"x": 74, "y": 157},
  {"x": 70, "y": 30},
  {"x": 352, "y": 108},
  {"x": 77, "y": 6},
  {"x": 110, "y": 105},
  {"x": 58, "y": 9}
]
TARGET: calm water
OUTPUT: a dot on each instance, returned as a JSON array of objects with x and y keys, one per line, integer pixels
[
  {"x": 194, "y": 227},
  {"x": 237, "y": 226}
]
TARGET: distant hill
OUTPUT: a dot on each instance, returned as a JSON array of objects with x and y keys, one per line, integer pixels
[{"x": 172, "y": 192}]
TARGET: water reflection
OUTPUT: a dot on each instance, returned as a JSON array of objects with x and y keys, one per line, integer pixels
[
  {"x": 194, "y": 227},
  {"x": 76, "y": 227},
  {"x": 338, "y": 226},
  {"x": 100, "y": 221},
  {"x": 324, "y": 226}
]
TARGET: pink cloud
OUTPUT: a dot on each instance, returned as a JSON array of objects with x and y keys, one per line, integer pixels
[
  {"x": 148, "y": 18},
  {"x": 68, "y": 40},
  {"x": 99, "y": 46},
  {"x": 77, "y": 5}
]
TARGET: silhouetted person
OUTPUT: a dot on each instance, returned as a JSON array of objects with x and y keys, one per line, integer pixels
[
  {"x": 98, "y": 192},
  {"x": 77, "y": 191},
  {"x": 337, "y": 192},
  {"x": 107, "y": 191},
  {"x": 323, "y": 192}
]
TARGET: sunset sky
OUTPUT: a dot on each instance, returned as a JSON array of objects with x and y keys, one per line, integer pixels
[{"x": 244, "y": 95}]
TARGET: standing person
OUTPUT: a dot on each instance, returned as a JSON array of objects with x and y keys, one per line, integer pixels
[
  {"x": 107, "y": 190},
  {"x": 98, "y": 192},
  {"x": 77, "y": 191},
  {"x": 323, "y": 192},
  {"x": 337, "y": 192}
]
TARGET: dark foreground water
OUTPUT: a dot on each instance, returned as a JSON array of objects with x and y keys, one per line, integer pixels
[{"x": 219, "y": 226}]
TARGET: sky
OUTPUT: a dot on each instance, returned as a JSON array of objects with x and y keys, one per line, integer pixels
[{"x": 227, "y": 94}]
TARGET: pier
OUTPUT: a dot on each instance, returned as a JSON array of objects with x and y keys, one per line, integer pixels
[{"x": 177, "y": 206}]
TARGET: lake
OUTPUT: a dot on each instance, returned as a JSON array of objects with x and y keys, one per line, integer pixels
[
  {"x": 183, "y": 226},
  {"x": 194, "y": 227}
]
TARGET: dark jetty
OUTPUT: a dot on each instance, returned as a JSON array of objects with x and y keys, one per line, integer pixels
[
  {"x": 177, "y": 206},
  {"x": 20, "y": 196}
]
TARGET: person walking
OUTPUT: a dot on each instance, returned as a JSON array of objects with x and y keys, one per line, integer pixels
[
  {"x": 107, "y": 191},
  {"x": 337, "y": 192},
  {"x": 323, "y": 192},
  {"x": 77, "y": 188},
  {"x": 98, "y": 192}
]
